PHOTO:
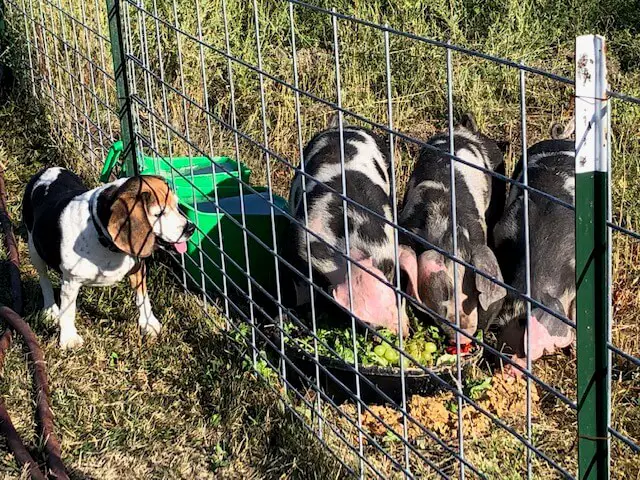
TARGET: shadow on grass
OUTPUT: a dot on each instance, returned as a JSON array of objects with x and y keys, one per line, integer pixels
[{"x": 257, "y": 432}]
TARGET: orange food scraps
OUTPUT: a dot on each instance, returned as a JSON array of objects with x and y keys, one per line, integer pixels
[{"x": 506, "y": 399}]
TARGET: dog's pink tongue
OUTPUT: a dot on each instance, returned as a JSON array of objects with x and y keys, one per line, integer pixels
[{"x": 180, "y": 247}]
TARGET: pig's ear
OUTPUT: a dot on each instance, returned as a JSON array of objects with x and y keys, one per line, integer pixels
[
  {"x": 334, "y": 121},
  {"x": 341, "y": 291},
  {"x": 433, "y": 282},
  {"x": 409, "y": 266},
  {"x": 547, "y": 333},
  {"x": 490, "y": 292},
  {"x": 468, "y": 121},
  {"x": 430, "y": 262},
  {"x": 556, "y": 327},
  {"x": 562, "y": 132}
]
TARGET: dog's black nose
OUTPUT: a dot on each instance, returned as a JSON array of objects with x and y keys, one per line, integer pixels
[{"x": 189, "y": 228}]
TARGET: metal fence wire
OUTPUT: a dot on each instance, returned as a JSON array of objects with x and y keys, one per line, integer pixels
[{"x": 255, "y": 81}]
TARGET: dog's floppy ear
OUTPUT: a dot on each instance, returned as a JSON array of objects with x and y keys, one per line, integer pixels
[{"x": 129, "y": 225}]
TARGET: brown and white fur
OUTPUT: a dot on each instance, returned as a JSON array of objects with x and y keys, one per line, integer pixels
[{"x": 97, "y": 237}]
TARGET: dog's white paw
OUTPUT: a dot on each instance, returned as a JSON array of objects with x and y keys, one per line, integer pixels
[
  {"x": 70, "y": 340},
  {"x": 52, "y": 313},
  {"x": 150, "y": 326}
]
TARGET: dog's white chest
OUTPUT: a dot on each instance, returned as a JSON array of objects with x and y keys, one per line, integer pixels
[{"x": 82, "y": 255}]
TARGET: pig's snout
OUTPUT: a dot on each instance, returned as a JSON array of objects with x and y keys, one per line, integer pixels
[
  {"x": 464, "y": 339},
  {"x": 467, "y": 329}
]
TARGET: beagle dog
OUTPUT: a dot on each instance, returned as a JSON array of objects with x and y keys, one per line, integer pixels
[{"x": 97, "y": 237}]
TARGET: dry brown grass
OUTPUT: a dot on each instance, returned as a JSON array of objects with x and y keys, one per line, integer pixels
[{"x": 184, "y": 406}]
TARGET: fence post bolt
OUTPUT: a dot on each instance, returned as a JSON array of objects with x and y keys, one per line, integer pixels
[
  {"x": 592, "y": 273},
  {"x": 125, "y": 113}
]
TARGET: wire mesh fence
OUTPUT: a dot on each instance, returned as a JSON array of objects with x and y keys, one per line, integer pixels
[
  {"x": 359, "y": 233},
  {"x": 69, "y": 55}
]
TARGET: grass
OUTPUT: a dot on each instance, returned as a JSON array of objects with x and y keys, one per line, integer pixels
[
  {"x": 540, "y": 33},
  {"x": 184, "y": 406}
]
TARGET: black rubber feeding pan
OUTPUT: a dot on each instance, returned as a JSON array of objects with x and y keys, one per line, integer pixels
[{"x": 379, "y": 385}]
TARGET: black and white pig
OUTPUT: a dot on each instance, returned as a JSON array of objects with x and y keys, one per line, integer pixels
[
  {"x": 551, "y": 167},
  {"x": 368, "y": 173},
  {"x": 426, "y": 211}
]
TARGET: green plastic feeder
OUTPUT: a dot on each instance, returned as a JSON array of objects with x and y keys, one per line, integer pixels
[
  {"x": 193, "y": 177},
  {"x": 258, "y": 221},
  {"x": 186, "y": 175}
]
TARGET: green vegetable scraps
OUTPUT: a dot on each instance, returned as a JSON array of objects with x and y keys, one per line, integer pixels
[
  {"x": 425, "y": 346},
  {"x": 477, "y": 388}
]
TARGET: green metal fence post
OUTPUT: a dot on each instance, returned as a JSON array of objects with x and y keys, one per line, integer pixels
[
  {"x": 2, "y": 19},
  {"x": 125, "y": 113},
  {"x": 592, "y": 273}
]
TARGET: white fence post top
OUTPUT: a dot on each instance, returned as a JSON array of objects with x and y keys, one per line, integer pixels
[{"x": 591, "y": 109}]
